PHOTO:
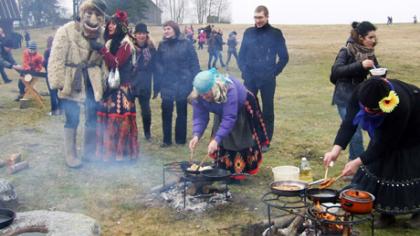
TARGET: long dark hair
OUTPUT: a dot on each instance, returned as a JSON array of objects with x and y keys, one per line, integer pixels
[
  {"x": 361, "y": 30},
  {"x": 116, "y": 38}
]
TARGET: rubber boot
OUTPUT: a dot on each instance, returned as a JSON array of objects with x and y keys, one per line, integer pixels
[
  {"x": 146, "y": 127},
  {"x": 89, "y": 144},
  {"x": 70, "y": 148}
]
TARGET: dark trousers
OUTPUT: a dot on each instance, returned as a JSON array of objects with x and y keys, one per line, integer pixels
[
  {"x": 3, "y": 74},
  {"x": 55, "y": 101},
  {"x": 212, "y": 63},
  {"x": 229, "y": 55},
  {"x": 21, "y": 87},
  {"x": 146, "y": 114},
  {"x": 267, "y": 96},
  {"x": 180, "y": 124},
  {"x": 72, "y": 110}
]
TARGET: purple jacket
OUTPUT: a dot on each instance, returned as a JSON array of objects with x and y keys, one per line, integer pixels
[{"x": 228, "y": 111}]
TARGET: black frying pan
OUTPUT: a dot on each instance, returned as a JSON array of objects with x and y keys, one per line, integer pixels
[
  {"x": 280, "y": 187},
  {"x": 6, "y": 217},
  {"x": 186, "y": 164},
  {"x": 216, "y": 174},
  {"x": 322, "y": 195}
]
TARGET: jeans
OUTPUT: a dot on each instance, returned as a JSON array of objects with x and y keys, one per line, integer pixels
[
  {"x": 220, "y": 55},
  {"x": 3, "y": 74},
  {"x": 211, "y": 63},
  {"x": 229, "y": 55},
  {"x": 180, "y": 124},
  {"x": 146, "y": 113},
  {"x": 267, "y": 96},
  {"x": 55, "y": 101},
  {"x": 72, "y": 110},
  {"x": 356, "y": 143},
  {"x": 21, "y": 87}
]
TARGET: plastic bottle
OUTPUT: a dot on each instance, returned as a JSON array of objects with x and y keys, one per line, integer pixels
[{"x": 305, "y": 170}]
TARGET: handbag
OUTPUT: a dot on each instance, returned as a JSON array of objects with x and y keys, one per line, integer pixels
[{"x": 114, "y": 79}]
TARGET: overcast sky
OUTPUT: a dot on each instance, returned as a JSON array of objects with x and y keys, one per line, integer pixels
[
  {"x": 320, "y": 11},
  {"x": 327, "y": 11}
]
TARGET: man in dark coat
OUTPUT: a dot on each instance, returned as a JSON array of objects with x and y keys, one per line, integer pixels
[
  {"x": 144, "y": 73},
  {"x": 261, "y": 46}
]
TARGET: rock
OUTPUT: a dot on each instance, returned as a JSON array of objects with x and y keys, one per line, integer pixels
[
  {"x": 53, "y": 223},
  {"x": 8, "y": 197}
]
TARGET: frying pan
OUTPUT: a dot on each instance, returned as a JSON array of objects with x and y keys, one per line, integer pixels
[
  {"x": 186, "y": 164},
  {"x": 298, "y": 192},
  {"x": 216, "y": 174},
  {"x": 322, "y": 195},
  {"x": 6, "y": 217}
]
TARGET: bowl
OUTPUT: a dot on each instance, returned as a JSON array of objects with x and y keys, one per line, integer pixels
[
  {"x": 285, "y": 173},
  {"x": 378, "y": 72}
]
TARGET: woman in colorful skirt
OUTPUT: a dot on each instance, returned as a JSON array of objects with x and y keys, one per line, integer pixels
[
  {"x": 389, "y": 168},
  {"x": 238, "y": 131},
  {"x": 117, "y": 128}
]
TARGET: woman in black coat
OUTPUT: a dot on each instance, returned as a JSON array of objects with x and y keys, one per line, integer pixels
[
  {"x": 144, "y": 72},
  {"x": 177, "y": 64},
  {"x": 389, "y": 168},
  {"x": 350, "y": 68}
]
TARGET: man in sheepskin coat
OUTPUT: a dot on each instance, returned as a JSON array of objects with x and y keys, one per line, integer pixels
[{"x": 79, "y": 73}]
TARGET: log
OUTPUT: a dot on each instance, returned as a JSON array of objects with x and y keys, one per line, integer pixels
[
  {"x": 292, "y": 228},
  {"x": 280, "y": 222}
]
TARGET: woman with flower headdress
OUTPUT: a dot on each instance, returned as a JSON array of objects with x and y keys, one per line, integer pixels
[
  {"x": 117, "y": 127},
  {"x": 350, "y": 68},
  {"x": 238, "y": 131},
  {"x": 389, "y": 110}
]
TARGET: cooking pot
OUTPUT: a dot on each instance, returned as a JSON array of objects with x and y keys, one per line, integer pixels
[
  {"x": 7, "y": 217},
  {"x": 356, "y": 201}
]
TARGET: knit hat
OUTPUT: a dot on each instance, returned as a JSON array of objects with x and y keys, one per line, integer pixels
[
  {"x": 174, "y": 26},
  {"x": 32, "y": 45},
  {"x": 372, "y": 91},
  {"x": 204, "y": 81},
  {"x": 100, "y": 5},
  {"x": 141, "y": 28}
]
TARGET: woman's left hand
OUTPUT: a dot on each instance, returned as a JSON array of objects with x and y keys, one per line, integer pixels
[
  {"x": 351, "y": 167},
  {"x": 212, "y": 147}
]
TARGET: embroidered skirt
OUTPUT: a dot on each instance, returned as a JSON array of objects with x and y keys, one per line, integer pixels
[
  {"x": 394, "y": 180},
  {"x": 117, "y": 128},
  {"x": 240, "y": 152}
]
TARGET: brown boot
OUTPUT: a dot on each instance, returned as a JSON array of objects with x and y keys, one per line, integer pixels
[
  {"x": 414, "y": 222},
  {"x": 89, "y": 144},
  {"x": 70, "y": 152},
  {"x": 384, "y": 221}
]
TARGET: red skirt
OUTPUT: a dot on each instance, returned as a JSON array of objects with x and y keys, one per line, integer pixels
[{"x": 116, "y": 127}]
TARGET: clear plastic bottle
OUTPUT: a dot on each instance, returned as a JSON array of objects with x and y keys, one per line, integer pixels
[{"x": 305, "y": 170}]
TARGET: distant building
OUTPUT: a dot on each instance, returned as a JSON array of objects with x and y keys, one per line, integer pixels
[
  {"x": 9, "y": 12},
  {"x": 153, "y": 14}
]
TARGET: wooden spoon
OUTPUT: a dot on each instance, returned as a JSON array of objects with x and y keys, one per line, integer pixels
[{"x": 328, "y": 182}]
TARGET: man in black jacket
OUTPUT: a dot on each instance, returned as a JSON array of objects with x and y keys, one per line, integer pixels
[
  {"x": 261, "y": 45},
  {"x": 6, "y": 59}
]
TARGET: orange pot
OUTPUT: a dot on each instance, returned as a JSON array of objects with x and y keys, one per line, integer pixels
[{"x": 356, "y": 201}]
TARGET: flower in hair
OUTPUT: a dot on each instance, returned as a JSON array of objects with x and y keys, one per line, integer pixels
[
  {"x": 388, "y": 103},
  {"x": 121, "y": 15}
]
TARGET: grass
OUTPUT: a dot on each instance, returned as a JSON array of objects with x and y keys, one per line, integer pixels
[{"x": 117, "y": 196}]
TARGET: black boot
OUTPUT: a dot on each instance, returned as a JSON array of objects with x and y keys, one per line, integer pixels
[
  {"x": 146, "y": 128},
  {"x": 384, "y": 221}
]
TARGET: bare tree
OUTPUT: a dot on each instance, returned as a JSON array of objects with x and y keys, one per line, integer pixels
[
  {"x": 201, "y": 10},
  {"x": 177, "y": 10}
]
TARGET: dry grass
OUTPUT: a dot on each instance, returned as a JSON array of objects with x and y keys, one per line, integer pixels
[{"x": 115, "y": 195}]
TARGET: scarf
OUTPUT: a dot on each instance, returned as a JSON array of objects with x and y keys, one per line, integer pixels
[
  {"x": 145, "y": 53},
  {"x": 360, "y": 52},
  {"x": 367, "y": 121}
]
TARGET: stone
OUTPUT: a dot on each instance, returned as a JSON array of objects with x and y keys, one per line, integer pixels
[
  {"x": 53, "y": 223},
  {"x": 8, "y": 197}
]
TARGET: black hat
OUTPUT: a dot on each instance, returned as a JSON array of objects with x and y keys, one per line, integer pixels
[
  {"x": 372, "y": 91},
  {"x": 141, "y": 28}
]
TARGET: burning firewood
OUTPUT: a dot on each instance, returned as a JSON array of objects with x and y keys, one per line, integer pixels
[{"x": 292, "y": 229}]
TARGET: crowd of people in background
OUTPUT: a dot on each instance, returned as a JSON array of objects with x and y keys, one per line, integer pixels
[{"x": 111, "y": 68}]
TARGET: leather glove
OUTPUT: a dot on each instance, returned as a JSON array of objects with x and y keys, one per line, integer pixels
[{"x": 95, "y": 45}]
